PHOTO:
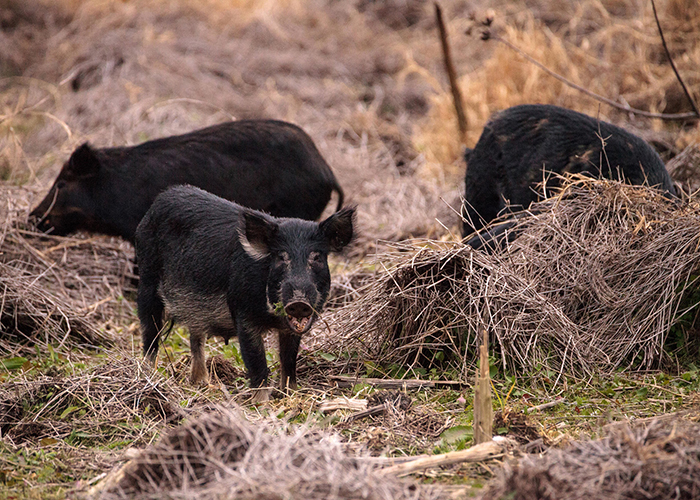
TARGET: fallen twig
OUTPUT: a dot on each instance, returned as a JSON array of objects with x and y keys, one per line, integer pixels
[
  {"x": 544, "y": 406},
  {"x": 388, "y": 383},
  {"x": 343, "y": 403},
  {"x": 375, "y": 410},
  {"x": 673, "y": 64},
  {"x": 477, "y": 453}
]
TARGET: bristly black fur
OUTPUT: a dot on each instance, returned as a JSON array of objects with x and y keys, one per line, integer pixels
[
  {"x": 523, "y": 145},
  {"x": 225, "y": 270},
  {"x": 267, "y": 165}
]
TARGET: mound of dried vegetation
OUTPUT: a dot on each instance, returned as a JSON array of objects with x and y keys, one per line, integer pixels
[
  {"x": 115, "y": 400},
  {"x": 58, "y": 291},
  {"x": 594, "y": 282},
  {"x": 219, "y": 455},
  {"x": 658, "y": 461},
  {"x": 685, "y": 169}
]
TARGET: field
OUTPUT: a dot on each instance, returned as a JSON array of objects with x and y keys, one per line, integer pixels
[{"x": 595, "y": 346}]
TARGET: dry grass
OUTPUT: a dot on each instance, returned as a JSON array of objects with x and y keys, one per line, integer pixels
[
  {"x": 611, "y": 48},
  {"x": 220, "y": 455},
  {"x": 118, "y": 400},
  {"x": 659, "y": 459},
  {"x": 685, "y": 169},
  {"x": 593, "y": 283},
  {"x": 120, "y": 73},
  {"x": 365, "y": 80},
  {"x": 65, "y": 292}
]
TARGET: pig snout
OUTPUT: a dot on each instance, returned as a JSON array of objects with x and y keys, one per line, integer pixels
[
  {"x": 43, "y": 224},
  {"x": 41, "y": 221},
  {"x": 299, "y": 315}
]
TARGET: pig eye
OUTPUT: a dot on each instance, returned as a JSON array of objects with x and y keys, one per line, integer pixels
[
  {"x": 283, "y": 259},
  {"x": 315, "y": 258},
  {"x": 60, "y": 184}
]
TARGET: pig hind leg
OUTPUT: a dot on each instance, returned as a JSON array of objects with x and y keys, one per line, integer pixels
[
  {"x": 198, "y": 339},
  {"x": 150, "y": 308}
]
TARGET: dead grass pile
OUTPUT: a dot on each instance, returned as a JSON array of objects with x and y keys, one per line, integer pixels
[
  {"x": 219, "y": 455},
  {"x": 348, "y": 285},
  {"x": 117, "y": 400},
  {"x": 594, "y": 282},
  {"x": 685, "y": 169},
  {"x": 401, "y": 425},
  {"x": 67, "y": 292},
  {"x": 660, "y": 460}
]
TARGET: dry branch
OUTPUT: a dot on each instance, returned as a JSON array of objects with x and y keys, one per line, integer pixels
[
  {"x": 544, "y": 406},
  {"x": 673, "y": 64},
  {"x": 488, "y": 35},
  {"x": 343, "y": 403},
  {"x": 387, "y": 383},
  {"x": 477, "y": 453},
  {"x": 451, "y": 74}
]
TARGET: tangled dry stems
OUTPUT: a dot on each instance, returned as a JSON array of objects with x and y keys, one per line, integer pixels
[
  {"x": 120, "y": 399},
  {"x": 594, "y": 282},
  {"x": 220, "y": 456},
  {"x": 685, "y": 169},
  {"x": 657, "y": 461},
  {"x": 65, "y": 292}
]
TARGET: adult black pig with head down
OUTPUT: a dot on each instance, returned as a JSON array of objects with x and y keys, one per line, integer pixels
[
  {"x": 523, "y": 145},
  {"x": 267, "y": 165},
  {"x": 225, "y": 270}
]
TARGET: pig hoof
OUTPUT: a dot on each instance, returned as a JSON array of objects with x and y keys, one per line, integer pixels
[
  {"x": 261, "y": 395},
  {"x": 200, "y": 380},
  {"x": 279, "y": 394}
]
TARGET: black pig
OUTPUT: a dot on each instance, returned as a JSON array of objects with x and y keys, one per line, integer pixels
[
  {"x": 521, "y": 146},
  {"x": 262, "y": 164},
  {"x": 225, "y": 270}
]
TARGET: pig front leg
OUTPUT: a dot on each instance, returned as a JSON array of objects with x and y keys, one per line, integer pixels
[
  {"x": 289, "y": 347},
  {"x": 253, "y": 352}
]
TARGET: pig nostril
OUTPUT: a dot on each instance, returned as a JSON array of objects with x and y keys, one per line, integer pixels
[{"x": 298, "y": 310}]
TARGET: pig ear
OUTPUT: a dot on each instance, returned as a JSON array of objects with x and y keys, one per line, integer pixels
[
  {"x": 256, "y": 234},
  {"x": 338, "y": 228},
  {"x": 83, "y": 163}
]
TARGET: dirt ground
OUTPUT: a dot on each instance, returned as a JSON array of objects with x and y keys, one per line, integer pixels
[{"x": 365, "y": 79}]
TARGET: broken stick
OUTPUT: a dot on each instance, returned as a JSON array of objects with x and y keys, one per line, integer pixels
[
  {"x": 476, "y": 453},
  {"x": 451, "y": 74},
  {"x": 389, "y": 383}
]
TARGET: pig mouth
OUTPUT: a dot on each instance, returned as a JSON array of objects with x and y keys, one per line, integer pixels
[{"x": 299, "y": 325}]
